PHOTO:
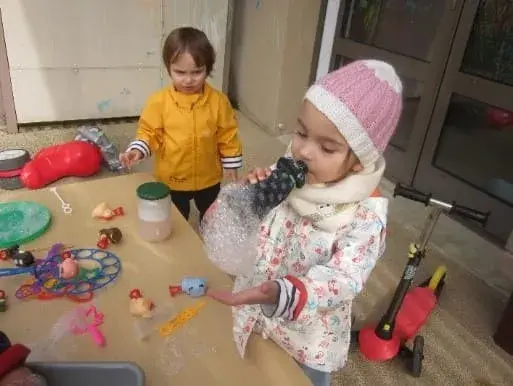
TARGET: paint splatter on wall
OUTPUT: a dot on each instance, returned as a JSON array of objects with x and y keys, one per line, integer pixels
[{"x": 103, "y": 105}]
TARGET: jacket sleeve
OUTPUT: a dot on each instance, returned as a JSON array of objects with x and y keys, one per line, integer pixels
[
  {"x": 148, "y": 138},
  {"x": 339, "y": 280},
  {"x": 229, "y": 145}
]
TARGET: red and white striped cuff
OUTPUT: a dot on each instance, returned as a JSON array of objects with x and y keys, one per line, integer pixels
[{"x": 291, "y": 299}]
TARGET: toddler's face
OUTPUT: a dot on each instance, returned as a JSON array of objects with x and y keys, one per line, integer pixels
[
  {"x": 318, "y": 142},
  {"x": 186, "y": 76}
]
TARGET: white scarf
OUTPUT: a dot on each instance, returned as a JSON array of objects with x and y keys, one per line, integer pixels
[{"x": 331, "y": 206}]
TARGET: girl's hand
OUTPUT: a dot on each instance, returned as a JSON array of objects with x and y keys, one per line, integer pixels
[
  {"x": 265, "y": 293},
  {"x": 257, "y": 175},
  {"x": 231, "y": 175},
  {"x": 130, "y": 158}
]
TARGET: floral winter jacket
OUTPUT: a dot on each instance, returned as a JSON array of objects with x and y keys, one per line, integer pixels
[{"x": 319, "y": 274}]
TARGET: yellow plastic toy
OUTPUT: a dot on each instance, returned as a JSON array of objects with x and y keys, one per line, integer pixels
[{"x": 179, "y": 320}]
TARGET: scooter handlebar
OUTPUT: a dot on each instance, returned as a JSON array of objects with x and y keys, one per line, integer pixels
[
  {"x": 426, "y": 199},
  {"x": 411, "y": 194},
  {"x": 480, "y": 217}
]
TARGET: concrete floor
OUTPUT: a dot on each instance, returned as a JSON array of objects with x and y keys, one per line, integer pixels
[{"x": 459, "y": 349}]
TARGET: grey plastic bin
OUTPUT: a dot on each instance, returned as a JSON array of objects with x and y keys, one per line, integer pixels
[{"x": 89, "y": 373}]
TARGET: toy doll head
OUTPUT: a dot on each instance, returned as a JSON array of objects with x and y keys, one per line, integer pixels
[{"x": 68, "y": 269}]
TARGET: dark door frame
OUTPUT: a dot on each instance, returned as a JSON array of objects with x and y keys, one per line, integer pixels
[
  {"x": 228, "y": 45},
  {"x": 318, "y": 41},
  {"x": 7, "y": 108},
  {"x": 402, "y": 163},
  {"x": 438, "y": 181},
  {"x": 441, "y": 78}
]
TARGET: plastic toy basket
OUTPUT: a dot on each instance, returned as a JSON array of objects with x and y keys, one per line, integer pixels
[{"x": 89, "y": 373}]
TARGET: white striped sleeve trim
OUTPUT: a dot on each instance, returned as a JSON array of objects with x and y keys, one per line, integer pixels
[
  {"x": 232, "y": 162},
  {"x": 288, "y": 299},
  {"x": 141, "y": 146}
]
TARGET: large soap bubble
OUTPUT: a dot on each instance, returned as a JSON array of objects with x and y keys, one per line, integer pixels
[{"x": 230, "y": 227}]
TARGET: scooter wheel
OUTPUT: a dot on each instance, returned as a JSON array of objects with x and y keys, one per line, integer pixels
[{"x": 417, "y": 356}]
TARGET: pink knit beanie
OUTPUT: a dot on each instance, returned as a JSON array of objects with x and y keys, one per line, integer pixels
[{"x": 364, "y": 102}]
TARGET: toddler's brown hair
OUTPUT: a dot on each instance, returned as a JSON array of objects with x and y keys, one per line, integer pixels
[{"x": 192, "y": 41}]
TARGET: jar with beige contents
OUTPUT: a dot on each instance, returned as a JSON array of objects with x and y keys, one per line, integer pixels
[{"x": 154, "y": 211}]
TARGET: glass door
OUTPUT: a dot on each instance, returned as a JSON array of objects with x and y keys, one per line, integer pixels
[
  {"x": 415, "y": 37},
  {"x": 468, "y": 153}
]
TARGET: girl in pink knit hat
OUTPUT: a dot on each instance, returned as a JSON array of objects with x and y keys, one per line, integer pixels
[{"x": 317, "y": 248}]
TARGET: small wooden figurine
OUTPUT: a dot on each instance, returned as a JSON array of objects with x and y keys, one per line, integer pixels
[
  {"x": 23, "y": 258},
  {"x": 107, "y": 236},
  {"x": 104, "y": 212},
  {"x": 140, "y": 306}
]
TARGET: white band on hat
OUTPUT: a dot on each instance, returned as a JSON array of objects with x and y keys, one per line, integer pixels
[{"x": 346, "y": 122}]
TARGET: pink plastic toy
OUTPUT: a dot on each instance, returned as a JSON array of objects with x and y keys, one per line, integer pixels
[
  {"x": 68, "y": 269},
  {"x": 81, "y": 323}
]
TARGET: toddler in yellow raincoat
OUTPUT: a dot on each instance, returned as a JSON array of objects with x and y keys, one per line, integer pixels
[{"x": 189, "y": 127}]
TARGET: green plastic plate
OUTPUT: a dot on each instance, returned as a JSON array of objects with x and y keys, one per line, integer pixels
[{"x": 22, "y": 221}]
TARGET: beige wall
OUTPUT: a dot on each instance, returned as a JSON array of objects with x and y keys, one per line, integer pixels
[
  {"x": 108, "y": 60},
  {"x": 271, "y": 58},
  {"x": 7, "y": 113},
  {"x": 3, "y": 122}
]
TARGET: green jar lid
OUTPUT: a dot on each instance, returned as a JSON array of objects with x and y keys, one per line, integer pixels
[{"x": 152, "y": 191}]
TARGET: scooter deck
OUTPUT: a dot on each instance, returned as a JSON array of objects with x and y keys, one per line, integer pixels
[{"x": 417, "y": 305}]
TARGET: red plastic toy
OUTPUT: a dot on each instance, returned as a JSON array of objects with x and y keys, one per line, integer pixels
[
  {"x": 409, "y": 309},
  {"x": 135, "y": 294},
  {"x": 103, "y": 241},
  {"x": 175, "y": 290},
  {"x": 70, "y": 159},
  {"x": 499, "y": 117}
]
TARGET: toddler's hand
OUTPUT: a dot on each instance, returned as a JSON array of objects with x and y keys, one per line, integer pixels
[
  {"x": 231, "y": 174},
  {"x": 130, "y": 158},
  {"x": 258, "y": 174}
]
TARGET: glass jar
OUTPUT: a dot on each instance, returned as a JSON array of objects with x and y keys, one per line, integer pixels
[{"x": 154, "y": 211}]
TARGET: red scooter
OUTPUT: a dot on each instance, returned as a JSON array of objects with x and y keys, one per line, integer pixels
[{"x": 410, "y": 309}]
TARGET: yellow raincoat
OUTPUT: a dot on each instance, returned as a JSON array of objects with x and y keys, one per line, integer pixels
[{"x": 192, "y": 137}]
